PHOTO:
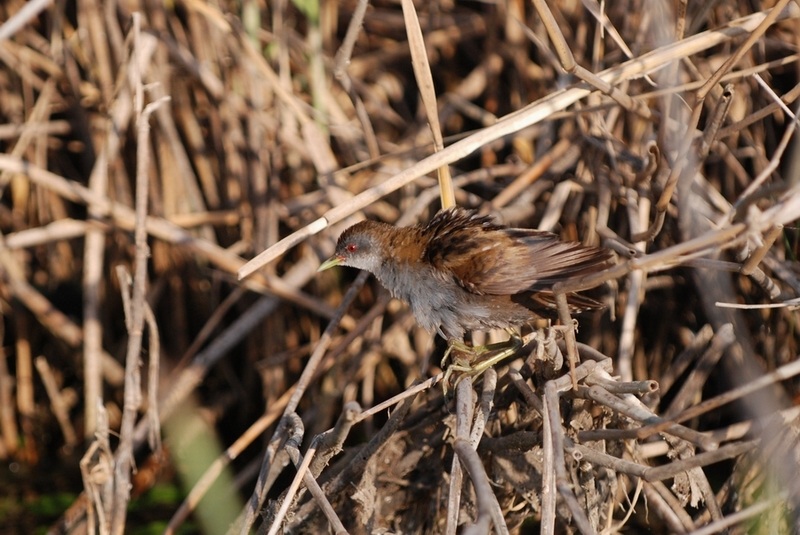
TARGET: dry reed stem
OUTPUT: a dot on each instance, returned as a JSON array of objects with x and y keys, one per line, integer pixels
[{"x": 283, "y": 123}]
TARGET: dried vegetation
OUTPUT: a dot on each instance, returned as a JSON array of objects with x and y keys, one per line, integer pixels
[{"x": 149, "y": 149}]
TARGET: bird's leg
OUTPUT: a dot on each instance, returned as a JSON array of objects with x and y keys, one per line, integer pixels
[
  {"x": 458, "y": 346},
  {"x": 488, "y": 355}
]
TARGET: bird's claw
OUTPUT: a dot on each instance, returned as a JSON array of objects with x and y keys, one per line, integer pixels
[{"x": 478, "y": 359}]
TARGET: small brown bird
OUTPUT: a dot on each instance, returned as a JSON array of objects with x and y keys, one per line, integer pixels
[{"x": 463, "y": 272}]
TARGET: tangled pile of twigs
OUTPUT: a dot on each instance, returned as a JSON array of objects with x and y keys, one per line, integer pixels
[{"x": 172, "y": 173}]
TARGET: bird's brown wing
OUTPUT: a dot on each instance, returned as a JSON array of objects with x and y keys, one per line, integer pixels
[{"x": 489, "y": 259}]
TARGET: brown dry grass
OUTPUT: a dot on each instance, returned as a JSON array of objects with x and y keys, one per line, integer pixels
[{"x": 133, "y": 192}]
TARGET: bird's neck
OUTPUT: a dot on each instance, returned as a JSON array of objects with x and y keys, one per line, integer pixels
[
  {"x": 405, "y": 245},
  {"x": 401, "y": 255}
]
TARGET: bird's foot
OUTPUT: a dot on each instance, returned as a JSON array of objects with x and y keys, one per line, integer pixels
[{"x": 473, "y": 361}]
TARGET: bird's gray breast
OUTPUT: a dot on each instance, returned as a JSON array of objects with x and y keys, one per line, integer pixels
[{"x": 432, "y": 297}]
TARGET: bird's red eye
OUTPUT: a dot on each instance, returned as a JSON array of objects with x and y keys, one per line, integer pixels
[{"x": 351, "y": 247}]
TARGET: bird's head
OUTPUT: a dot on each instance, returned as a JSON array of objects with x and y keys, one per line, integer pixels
[{"x": 360, "y": 246}]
